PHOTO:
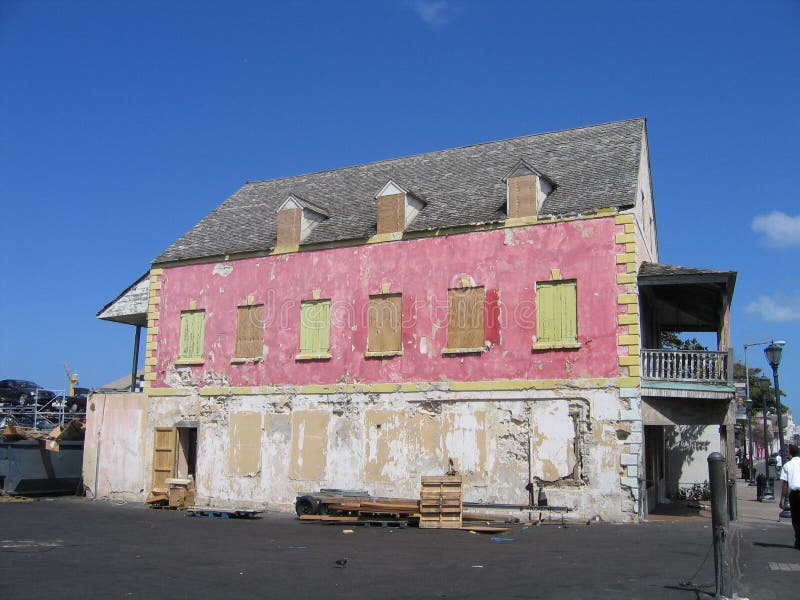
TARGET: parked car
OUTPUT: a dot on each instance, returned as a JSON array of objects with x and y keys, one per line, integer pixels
[{"x": 18, "y": 392}]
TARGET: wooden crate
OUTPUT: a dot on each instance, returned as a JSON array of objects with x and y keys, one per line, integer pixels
[{"x": 440, "y": 504}]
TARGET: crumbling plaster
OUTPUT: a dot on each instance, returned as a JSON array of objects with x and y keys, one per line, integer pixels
[{"x": 567, "y": 443}]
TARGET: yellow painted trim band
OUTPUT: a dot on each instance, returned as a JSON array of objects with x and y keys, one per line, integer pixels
[
  {"x": 628, "y": 382},
  {"x": 390, "y": 388},
  {"x": 285, "y": 249}
]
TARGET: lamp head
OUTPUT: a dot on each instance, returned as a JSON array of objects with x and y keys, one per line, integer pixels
[
  {"x": 773, "y": 353},
  {"x": 763, "y": 384}
]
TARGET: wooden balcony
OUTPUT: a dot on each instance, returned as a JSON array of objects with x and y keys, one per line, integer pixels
[{"x": 688, "y": 366}]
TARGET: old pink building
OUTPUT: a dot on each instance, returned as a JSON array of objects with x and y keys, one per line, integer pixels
[{"x": 496, "y": 307}]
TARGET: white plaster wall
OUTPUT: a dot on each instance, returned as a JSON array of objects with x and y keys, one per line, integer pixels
[
  {"x": 114, "y": 451},
  {"x": 687, "y": 458},
  {"x": 497, "y": 440}
]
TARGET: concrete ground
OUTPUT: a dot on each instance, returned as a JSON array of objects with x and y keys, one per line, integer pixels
[{"x": 75, "y": 548}]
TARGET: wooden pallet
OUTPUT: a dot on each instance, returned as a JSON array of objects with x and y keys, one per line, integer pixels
[
  {"x": 440, "y": 502},
  {"x": 222, "y": 513}
]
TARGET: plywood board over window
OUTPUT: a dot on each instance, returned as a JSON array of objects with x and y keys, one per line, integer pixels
[
  {"x": 193, "y": 323},
  {"x": 289, "y": 225},
  {"x": 244, "y": 456},
  {"x": 557, "y": 314},
  {"x": 249, "y": 331},
  {"x": 391, "y": 213},
  {"x": 315, "y": 329},
  {"x": 385, "y": 325},
  {"x": 465, "y": 317}
]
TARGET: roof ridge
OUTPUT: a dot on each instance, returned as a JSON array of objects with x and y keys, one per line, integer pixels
[{"x": 475, "y": 145}]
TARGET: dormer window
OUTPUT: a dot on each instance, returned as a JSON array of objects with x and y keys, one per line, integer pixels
[
  {"x": 526, "y": 190},
  {"x": 397, "y": 207},
  {"x": 297, "y": 217}
]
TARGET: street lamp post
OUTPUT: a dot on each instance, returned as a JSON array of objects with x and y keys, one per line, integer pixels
[
  {"x": 773, "y": 353},
  {"x": 763, "y": 384},
  {"x": 748, "y": 404}
]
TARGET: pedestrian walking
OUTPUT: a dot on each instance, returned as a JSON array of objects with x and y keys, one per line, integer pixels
[{"x": 790, "y": 475}]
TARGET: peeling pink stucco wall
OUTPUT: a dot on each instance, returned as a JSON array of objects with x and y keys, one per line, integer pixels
[{"x": 507, "y": 262}]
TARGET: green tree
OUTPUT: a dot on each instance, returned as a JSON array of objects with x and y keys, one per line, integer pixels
[{"x": 670, "y": 340}]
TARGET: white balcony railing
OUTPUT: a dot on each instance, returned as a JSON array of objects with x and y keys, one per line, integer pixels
[{"x": 696, "y": 366}]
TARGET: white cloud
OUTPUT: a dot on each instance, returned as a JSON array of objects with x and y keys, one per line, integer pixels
[
  {"x": 776, "y": 310},
  {"x": 433, "y": 12},
  {"x": 779, "y": 228}
]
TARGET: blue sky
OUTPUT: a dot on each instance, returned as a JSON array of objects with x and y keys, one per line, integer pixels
[{"x": 125, "y": 123}]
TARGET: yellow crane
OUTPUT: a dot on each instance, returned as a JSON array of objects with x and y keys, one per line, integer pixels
[{"x": 72, "y": 378}]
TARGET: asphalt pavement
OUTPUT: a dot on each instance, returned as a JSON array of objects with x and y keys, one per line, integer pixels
[{"x": 77, "y": 548}]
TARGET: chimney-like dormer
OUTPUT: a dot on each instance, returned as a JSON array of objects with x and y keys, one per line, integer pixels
[
  {"x": 526, "y": 190},
  {"x": 297, "y": 217},
  {"x": 397, "y": 207}
]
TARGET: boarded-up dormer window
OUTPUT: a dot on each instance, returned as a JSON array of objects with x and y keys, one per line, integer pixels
[
  {"x": 391, "y": 213},
  {"x": 522, "y": 196},
  {"x": 289, "y": 222}
]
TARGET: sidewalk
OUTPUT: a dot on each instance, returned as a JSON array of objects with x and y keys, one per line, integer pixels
[{"x": 764, "y": 560}]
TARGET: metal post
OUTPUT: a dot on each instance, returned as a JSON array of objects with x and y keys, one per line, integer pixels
[
  {"x": 780, "y": 414},
  {"x": 750, "y": 466},
  {"x": 766, "y": 452},
  {"x": 135, "y": 366},
  {"x": 719, "y": 524}
]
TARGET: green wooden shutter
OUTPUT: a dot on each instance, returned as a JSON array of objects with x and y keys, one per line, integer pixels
[
  {"x": 546, "y": 313},
  {"x": 324, "y": 328},
  {"x": 315, "y": 325},
  {"x": 192, "y": 334},
  {"x": 568, "y": 316},
  {"x": 557, "y": 312}
]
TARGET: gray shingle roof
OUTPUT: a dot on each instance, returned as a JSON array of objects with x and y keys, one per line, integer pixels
[
  {"x": 593, "y": 167},
  {"x": 649, "y": 269}
]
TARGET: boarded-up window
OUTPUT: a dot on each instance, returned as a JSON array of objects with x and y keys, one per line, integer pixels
[
  {"x": 289, "y": 222},
  {"x": 385, "y": 323},
  {"x": 465, "y": 318},
  {"x": 557, "y": 312},
  {"x": 244, "y": 453},
  {"x": 193, "y": 324},
  {"x": 249, "y": 331},
  {"x": 522, "y": 193},
  {"x": 391, "y": 213},
  {"x": 315, "y": 328},
  {"x": 164, "y": 441}
]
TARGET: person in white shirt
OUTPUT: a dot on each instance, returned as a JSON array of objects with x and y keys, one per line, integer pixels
[{"x": 790, "y": 475}]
